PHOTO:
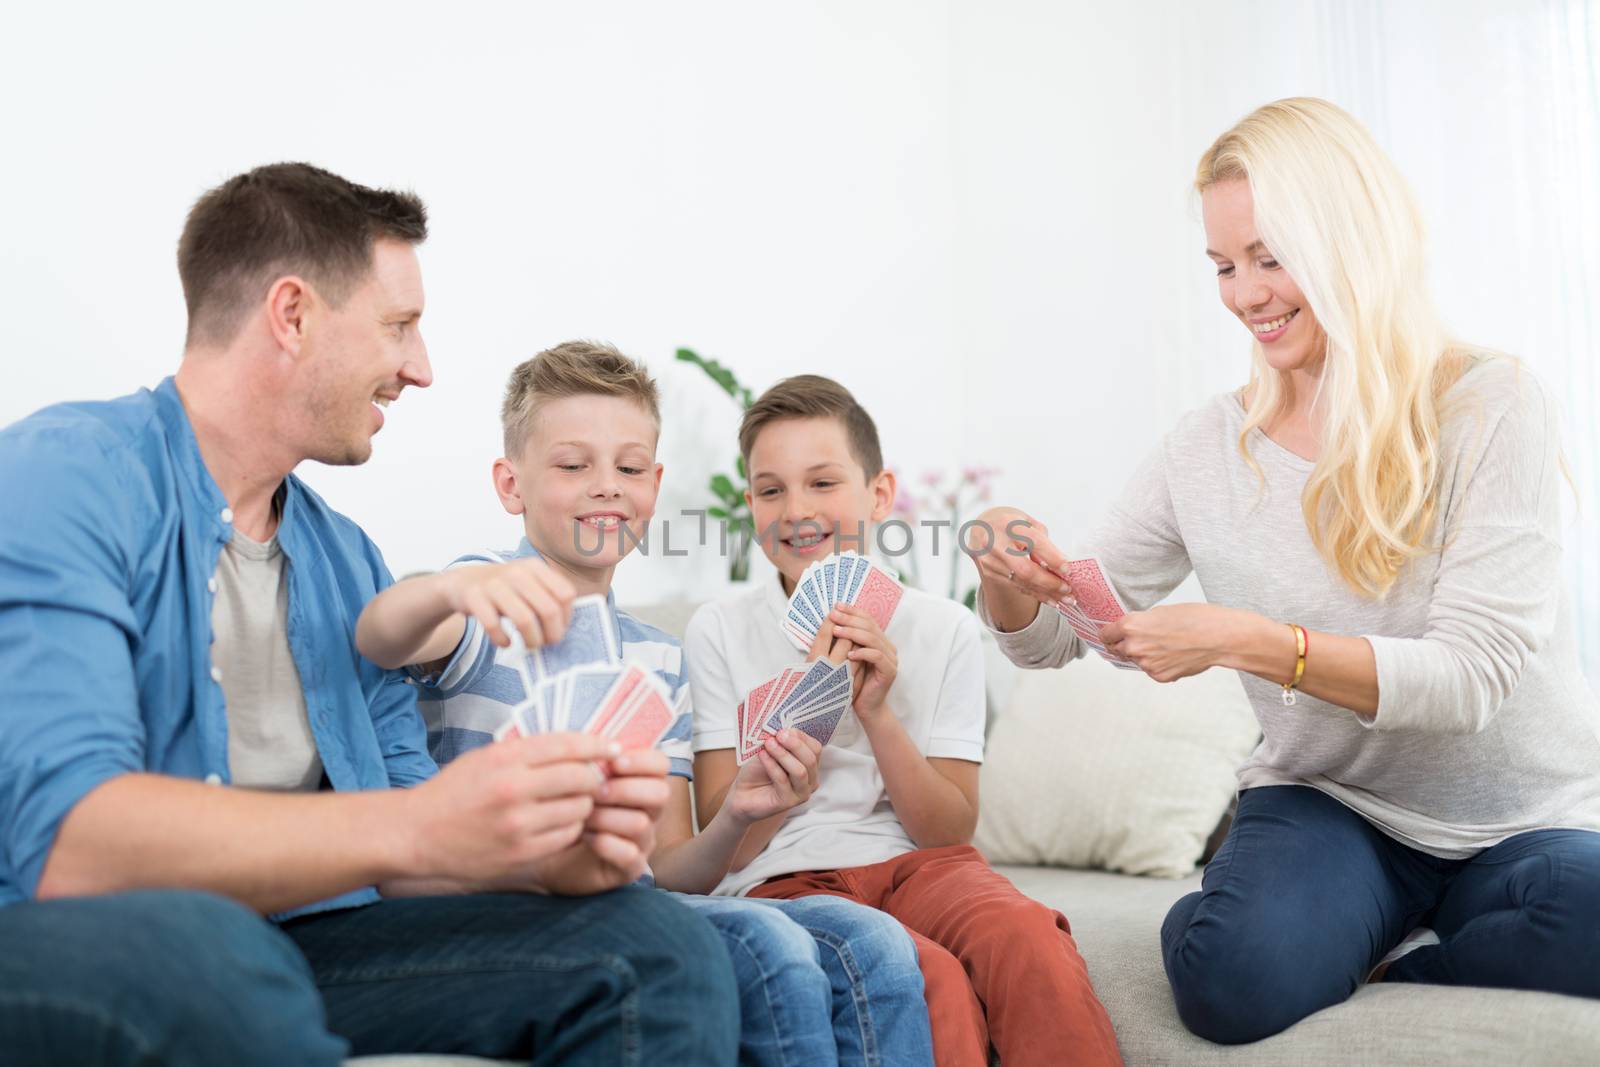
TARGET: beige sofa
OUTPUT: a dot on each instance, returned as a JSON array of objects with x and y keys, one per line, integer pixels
[{"x": 1116, "y": 919}]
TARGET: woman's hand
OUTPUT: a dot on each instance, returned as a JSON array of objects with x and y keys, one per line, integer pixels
[
  {"x": 1174, "y": 640},
  {"x": 1013, "y": 552},
  {"x": 1018, "y": 566}
]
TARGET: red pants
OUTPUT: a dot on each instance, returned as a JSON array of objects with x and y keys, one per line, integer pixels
[{"x": 998, "y": 966}]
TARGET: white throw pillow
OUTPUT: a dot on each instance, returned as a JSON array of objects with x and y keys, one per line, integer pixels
[{"x": 1090, "y": 766}]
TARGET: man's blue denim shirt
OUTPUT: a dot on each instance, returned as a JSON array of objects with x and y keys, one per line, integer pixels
[{"x": 108, "y": 549}]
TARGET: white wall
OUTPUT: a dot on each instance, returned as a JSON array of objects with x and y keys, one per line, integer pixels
[{"x": 976, "y": 216}]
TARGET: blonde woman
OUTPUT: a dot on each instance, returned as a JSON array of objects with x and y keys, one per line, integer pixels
[{"x": 1374, "y": 520}]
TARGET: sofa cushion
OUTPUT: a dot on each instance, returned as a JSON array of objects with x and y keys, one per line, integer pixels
[
  {"x": 1091, "y": 766},
  {"x": 1116, "y": 921}
]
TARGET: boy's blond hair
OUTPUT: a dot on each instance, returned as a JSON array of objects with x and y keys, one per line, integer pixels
[
  {"x": 572, "y": 368},
  {"x": 811, "y": 396}
]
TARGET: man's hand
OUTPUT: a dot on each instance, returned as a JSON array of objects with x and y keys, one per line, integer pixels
[
  {"x": 618, "y": 836},
  {"x": 489, "y": 817},
  {"x": 533, "y": 595},
  {"x": 782, "y": 776},
  {"x": 873, "y": 655}
]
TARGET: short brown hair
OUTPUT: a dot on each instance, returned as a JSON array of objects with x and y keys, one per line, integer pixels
[
  {"x": 572, "y": 368},
  {"x": 284, "y": 218},
  {"x": 811, "y": 396}
]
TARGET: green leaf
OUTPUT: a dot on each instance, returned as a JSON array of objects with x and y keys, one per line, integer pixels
[
  {"x": 717, "y": 513},
  {"x": 738, "y": 465},
  {"x": 717, "y": 373},
  {"x": 723, "y": 487}
]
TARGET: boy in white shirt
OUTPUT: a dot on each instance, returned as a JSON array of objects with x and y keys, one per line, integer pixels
[
  {"x": 896, "y": 801},
  {"x": 835, "y": 983}
]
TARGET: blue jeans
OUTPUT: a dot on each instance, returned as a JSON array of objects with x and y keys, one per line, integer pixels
[
  {"x": 186, "y": 979},
  {"x": 626, "y": 977},
  {"x": 179, "y": 979},
  {"x": 821, "y": 981},
  {"x": 1305, "y": 897}
]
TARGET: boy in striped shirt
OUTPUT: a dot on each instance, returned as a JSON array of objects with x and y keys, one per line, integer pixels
[{"x": 821, "y": 980}]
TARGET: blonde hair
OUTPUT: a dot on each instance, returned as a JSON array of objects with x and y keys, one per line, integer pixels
[
  {"x": 573, "y": 368},
  {"x": 1338, "y": 216}
]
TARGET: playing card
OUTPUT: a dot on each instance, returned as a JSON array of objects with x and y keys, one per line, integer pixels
[
  {"x": 855, "y": 570},
  {"x": 879, "y": 596},
  {"x": 648, "y": 716},
  {"x": 807, "y": 597},
  {"x": 1092, "y": 591},
  {"x": 827, "y": 689},
  {"x": 517, "y": 652},
  {"x": 815, "y": 674},
  {"x": 591, "y": 637},
  {"x": 1088, "y": 632},
  {"x": 545, "y": 712},
  {"x": 756, "y": 699},
  {"x": 829, "y": 585},
  {"x": 617, "y": 699},
  {"x": 586, "y": 691},
  {"x": 741, "y": 718},
  {"x": 822, "y": 726},
  {"x": 789, "y": 679},
  {"x": 800, "y": 630},
  {"x": 760, "y": 699}
]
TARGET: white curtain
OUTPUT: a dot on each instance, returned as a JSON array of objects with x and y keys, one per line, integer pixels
[
  {"x": 1503, "y": 99},
  {"x": 1572, "y": 138},
  {"x": 1493, "y": 109}
]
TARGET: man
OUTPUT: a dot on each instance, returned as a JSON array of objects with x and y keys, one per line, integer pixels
[{"x": 189, "y": 738}]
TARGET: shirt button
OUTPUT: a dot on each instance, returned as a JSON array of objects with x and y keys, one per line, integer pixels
[
  {"x": 227, "y": 514},
  {"x": 212, "y": 585},
  {"x": 213, "y": 779},
  {"x": 216, "y": 675}
]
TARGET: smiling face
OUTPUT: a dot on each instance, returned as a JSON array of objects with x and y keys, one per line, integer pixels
[
  {"x": 360, "y": 355},
  {"x": 807, "y": 490},
  {"x": 585, "y": 483},
  {"x": 1253, "y": 285}
]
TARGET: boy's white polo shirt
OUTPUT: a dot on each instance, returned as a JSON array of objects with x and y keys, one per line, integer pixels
[{"x": 734, "y": 645}]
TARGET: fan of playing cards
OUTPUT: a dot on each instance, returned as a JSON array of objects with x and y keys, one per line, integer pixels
[
  {"x": 580, "y": 683},
  {"x": 847, "y": 578},
  {"x": 814, "y": 698},
  {"x": 1094, "y": 603},
  {"x": 811, "y": 699}
]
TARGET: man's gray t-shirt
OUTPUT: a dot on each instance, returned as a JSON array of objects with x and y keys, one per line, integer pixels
[
  {"x": 1485, "y": 726},
  {"x": 270, "y": 745}
]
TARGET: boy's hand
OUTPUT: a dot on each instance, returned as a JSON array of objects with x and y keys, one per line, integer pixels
[
  {"x": 497, "y": 811},
  {"x": 876, "y": 661},
  {"x": 533, "y": 595},
  {"x": 782, "y": 776},
  {"x": 827, "y": 646}
]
